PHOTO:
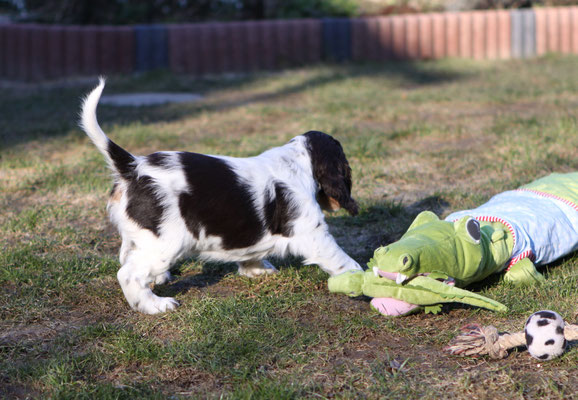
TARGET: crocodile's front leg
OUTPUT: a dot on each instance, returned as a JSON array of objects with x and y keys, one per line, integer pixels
[{"x": 524, "y": 273}]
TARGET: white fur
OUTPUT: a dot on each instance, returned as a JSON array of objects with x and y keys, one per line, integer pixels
[{"x": 147, "y": 258}]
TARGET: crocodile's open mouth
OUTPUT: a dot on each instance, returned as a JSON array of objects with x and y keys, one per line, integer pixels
[{"x": 398, "y": 277}]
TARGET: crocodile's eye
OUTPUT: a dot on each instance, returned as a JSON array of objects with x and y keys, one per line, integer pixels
[{"x": 473, "y": 229}]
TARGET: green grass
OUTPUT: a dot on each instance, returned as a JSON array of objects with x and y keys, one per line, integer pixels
[{"x": 437, "y": 136}]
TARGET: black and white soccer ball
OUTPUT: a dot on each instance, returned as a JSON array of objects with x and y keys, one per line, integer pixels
[{"x": 545, "y": 335}]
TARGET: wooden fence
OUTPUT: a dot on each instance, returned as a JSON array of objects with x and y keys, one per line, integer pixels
[{"x": 34, "y": 52}]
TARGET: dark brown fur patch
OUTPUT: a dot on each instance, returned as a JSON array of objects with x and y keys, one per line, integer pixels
[
  {"x": 218, "y": 201},
  {"x": 330, "y": 168}
]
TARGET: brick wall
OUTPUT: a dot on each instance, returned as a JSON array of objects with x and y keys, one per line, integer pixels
[{"x": 35, "y": 52}]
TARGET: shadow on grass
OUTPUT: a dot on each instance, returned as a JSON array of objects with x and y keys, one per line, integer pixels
[
  {"x": 380, "y": 224},
  {"x": 43, "y": 112},
  {"x": 211, "y": 274}
]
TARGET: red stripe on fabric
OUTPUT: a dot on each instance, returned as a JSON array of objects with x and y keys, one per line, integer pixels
[
  {"x": 526, "y": 254},
  {"x": 551, "y": 196},
  {"x": 491, "y": 218}
]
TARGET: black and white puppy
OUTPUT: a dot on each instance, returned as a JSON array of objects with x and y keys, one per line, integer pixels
[{"x": 169, "y": 205}]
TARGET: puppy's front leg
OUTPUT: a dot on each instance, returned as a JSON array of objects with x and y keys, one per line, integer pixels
[
  {"x": 321, "y": 249},
  {"x": 135, "y": 278}
]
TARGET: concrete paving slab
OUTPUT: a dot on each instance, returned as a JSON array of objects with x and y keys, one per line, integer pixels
[{"x": 148, "y": 99}]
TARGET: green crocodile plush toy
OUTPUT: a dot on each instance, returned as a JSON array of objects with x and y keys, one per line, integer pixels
[{"x": 515, "y": 230}]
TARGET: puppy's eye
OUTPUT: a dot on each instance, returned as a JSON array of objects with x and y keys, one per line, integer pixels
[{"x": 473, "y": 229}]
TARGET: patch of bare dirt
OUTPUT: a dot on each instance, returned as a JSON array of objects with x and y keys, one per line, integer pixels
[{"x": 43, "y": 332}]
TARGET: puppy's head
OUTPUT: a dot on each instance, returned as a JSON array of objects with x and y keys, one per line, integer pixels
[{"x": 331, "y": 171}]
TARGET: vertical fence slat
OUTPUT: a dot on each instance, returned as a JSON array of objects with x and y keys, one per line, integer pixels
[
  {"x": 315, "y": 46},
  {"x": 491, "y": 35},
  {"x": 88, "y": 47},
  {"x": 192, "y": 49},
  {"x": 552, "y": 27},
  {"x": 398, "y": 37},
  {"x": 378, "y": 40},
  {"x": 438, "y": 36},
  {"x": 207, "y": 54},
  {"x": 465, "y": 34},
  {"x": 268, "y": 43},
  {"x": 3, "y": 50},
  {"x": 479, "y": 35},
  {"x": 574, "y": 23},
  {"x": 159, "y": 47},
  {"x": 55, "y": 51},
  {"x": 176, "y": 43},
  {"x": 22, "y": 53},
  {"x": 296, "y": 42},
  {"x": 425, "y": 37},
  {"x": 223, "y": 45},
  {"x": 108, "y": 56},
  {"x": 238, "y": 50},
  {"x": 10, "y": 38},
  {"x": 126, "y": 43},
  {"x": 517, "y": 34},
  {"x": 253, "y": 45},
  {"x": 452, "y": 34},
  {"x": 382, "y": 40},
  {"x": 39, "y": 53},
  {"x": 411, "y": 37},
  {"x": 72, "y": 51},
  {"x": 564, "y": 16},
  {"x": 541, "y": 32},
  {"x": 504, "y": 38},
  {"x": 359, "y": 38},
  {"x": 284, "y": 54}
]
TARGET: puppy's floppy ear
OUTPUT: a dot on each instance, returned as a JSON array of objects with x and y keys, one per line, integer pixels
[{"x": 331, "y": 170}]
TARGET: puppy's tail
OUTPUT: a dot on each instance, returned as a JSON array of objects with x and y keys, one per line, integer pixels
[{"x": 118, "y": 159}]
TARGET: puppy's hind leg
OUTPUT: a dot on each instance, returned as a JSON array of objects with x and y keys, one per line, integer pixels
[
  {"x": 163, "y": 278},
  {"x": 135, "y": 277},
  {"x": 254, "y": 268}
]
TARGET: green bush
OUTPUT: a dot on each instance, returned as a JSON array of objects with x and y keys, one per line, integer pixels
[{"x": 166, "y": 11}]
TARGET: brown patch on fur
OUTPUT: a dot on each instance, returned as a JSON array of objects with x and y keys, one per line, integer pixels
[
  {"x": 327, "y": 203},
  {"x": 115, "y": 194}
]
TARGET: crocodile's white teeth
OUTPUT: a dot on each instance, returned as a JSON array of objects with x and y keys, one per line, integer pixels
[
  {"x": 375, "y": 272},
  {"x": 401, "y": 278}
]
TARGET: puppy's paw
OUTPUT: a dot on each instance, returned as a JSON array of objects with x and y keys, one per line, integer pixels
[
  {"x": 163, "y": 278},
  {"x": 157, "y": 305},
  {"x": 253, "y": 269}
]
